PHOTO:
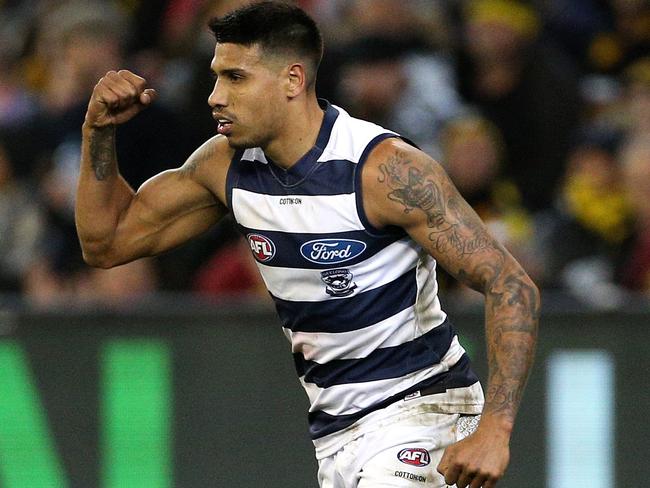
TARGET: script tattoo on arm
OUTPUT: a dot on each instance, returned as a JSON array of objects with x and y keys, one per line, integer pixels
[
  {"x": 458, "y": 239},
  {"x": 415, "y": 188},
  {"x": 102, "y": 152}
]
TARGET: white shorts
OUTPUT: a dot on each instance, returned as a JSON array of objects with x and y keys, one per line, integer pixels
[{"x": 402, "y": 455}]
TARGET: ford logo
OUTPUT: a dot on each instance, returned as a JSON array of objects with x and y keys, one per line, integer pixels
[{"x": 331, "y": 251}]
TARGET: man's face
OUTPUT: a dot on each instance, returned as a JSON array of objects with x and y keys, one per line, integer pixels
[{"x": 248, "y": 100}]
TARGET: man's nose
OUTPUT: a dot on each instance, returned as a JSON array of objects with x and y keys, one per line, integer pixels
[{"x": 217, "y": 98}]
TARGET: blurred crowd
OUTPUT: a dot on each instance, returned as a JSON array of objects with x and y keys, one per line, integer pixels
[{"x": 539, "y": 111}]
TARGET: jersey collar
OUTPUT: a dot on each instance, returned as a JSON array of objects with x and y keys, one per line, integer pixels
[{"x": 305, "y": 165}]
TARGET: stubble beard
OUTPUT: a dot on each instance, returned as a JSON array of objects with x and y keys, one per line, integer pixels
[{"x": 248, "y": 143}]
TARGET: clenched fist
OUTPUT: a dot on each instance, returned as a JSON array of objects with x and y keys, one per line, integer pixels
[
  {"x": 478, "y": 461},
  {"x": 117, "y": 98}
]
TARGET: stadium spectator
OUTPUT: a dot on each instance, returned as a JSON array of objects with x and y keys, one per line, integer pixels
[
  {"x": 585, "y": 234},
  {"x": 395, "y": 82},
  {"x": 637, "y": 87},
  {"x": 625, "y": 39},
  {"x": 635, "y": 270},
  {"x": 230, "y": 273},
  {"x": 602, "y": 103},
  {"x": 472, "y": 155},
  {"x": 392, "y": 18},
  {"x": 526, "y": 89},
  {"x": 17, "y": 103},
  {"x": 601, "y": 36},
  {"x": 21, "y": 221},
  {"x": 345, "y": 23}
]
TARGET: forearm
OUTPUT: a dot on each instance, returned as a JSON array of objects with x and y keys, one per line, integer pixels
[
  {"x": 512, "y": 313},
  {"x": 102, "y": 194}
]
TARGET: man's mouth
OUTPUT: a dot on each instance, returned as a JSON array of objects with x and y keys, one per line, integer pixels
[{"x": 224, "y": 126}]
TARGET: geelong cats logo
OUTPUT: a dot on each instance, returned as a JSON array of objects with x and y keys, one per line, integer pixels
[{"x": 338, "y": 282}]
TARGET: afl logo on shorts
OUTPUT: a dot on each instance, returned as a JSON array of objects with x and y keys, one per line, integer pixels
[
  {"x": 262, "y": 247},
  {"x": 414, "y": 456}
]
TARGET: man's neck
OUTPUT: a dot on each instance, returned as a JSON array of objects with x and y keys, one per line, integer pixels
[{"x": 299, "y": 133}]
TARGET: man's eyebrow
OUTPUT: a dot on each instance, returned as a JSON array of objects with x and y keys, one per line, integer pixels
[{"x": 227, "y": 71}]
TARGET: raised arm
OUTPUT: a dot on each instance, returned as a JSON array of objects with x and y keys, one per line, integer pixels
[
  {"x": 115, "y": 224},
  {"x": 403, "y": 186}
]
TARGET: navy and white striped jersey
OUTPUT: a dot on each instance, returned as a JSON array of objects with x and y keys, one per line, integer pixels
[{"x": 358, "y": 304}]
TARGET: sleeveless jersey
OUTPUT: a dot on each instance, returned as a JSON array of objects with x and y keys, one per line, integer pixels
[{"x": 358, "y": 304}]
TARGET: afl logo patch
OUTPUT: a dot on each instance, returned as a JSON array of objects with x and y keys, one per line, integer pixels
[
  {"x": 331, "y": 251},
  {"x": 262, "y": 247},
  {"x": 414, "y": 456}
]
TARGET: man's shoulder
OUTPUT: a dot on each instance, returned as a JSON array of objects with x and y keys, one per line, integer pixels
[
  {"x": 351, "y": 137},
  {"x": 394, "y": 155},
  {"x": 213, "y": 156},
  {"x": 395, "y": 147}
]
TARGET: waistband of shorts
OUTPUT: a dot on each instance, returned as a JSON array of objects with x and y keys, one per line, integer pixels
[{"x": 446, "y": 401}]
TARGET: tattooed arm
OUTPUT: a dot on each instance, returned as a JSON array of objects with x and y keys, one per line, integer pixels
[
  {"x": 402, "y": 186},
  {"x": 115, "y": 224}
]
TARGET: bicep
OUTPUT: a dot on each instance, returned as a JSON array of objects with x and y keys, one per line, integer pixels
[
  {"x": 406, "y": 188},
  {"x": 168, "y": 210}
]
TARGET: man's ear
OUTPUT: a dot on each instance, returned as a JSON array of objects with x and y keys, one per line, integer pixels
[{"x": 296, "y": 80}]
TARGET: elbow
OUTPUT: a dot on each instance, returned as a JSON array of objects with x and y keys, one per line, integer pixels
[
  {"x": 530, "y": 290},
  {"x": 515, "y": 292},
  {"x": 98, "y": 257},
  {"x": 97, "y": 261},
  {"x": 536, "y": 294}
]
